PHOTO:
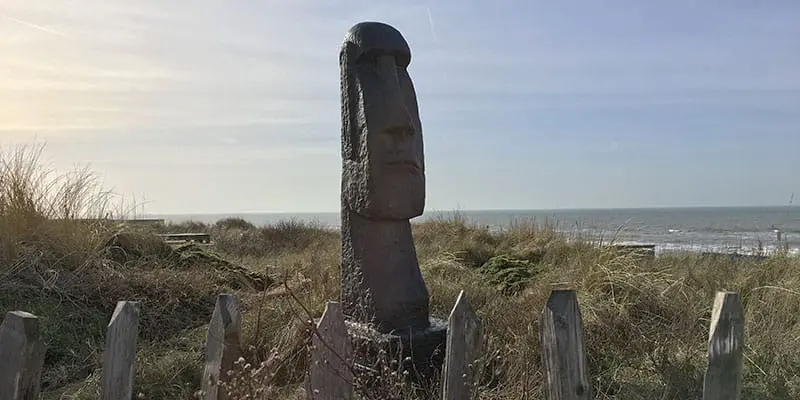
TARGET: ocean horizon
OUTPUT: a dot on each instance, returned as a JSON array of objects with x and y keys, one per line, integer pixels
[{"x": 697, "y": 229}]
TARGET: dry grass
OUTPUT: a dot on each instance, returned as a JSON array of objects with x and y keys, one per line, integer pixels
[{"x": 645, "y": 323}]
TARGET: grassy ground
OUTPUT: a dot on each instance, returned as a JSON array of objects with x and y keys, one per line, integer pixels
[{"x": 646, "y": 324}]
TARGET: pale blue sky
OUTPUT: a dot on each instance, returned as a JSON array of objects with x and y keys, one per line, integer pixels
[{"x": 233, "y": 106}]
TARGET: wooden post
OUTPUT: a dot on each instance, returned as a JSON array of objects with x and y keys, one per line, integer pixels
[
  {"x": 119, "y": 359},
  {"x": 222, "y": 346},
  {"x": 21, "y": 357},
  {"x": 330, "y": 373},
  {"x": 464, "y": 346},
  {"x": 566, "y": 375},
  {"x": 723, "y": 379}
]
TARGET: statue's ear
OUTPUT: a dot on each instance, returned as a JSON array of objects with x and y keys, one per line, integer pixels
[{"x": 349, "y": 101}]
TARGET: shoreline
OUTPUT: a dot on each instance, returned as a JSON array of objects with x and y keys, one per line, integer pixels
[{"x": 724, "y": 243}]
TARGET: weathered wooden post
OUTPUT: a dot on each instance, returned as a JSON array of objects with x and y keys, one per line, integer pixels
[
  {"x": 463, "y": 352},
  {"x": 119, "y": 359},
  {"x": 723, "y": 379},
  {"x": 563, "y": 356},
  {"x": 21, "y": 357},
  {"x": 330, "y": 373},
  {"x": 223, "y": 346}
]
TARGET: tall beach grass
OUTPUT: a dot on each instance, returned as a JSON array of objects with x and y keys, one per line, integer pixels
[{"x": 646, "y": 323}]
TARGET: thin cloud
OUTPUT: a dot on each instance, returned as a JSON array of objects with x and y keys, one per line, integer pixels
[
  {"x": 430, "y": 21},
  {"x": 42, "y": 28}
]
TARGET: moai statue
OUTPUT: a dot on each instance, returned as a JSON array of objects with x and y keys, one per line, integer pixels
[{"x": 383, "y": 187}]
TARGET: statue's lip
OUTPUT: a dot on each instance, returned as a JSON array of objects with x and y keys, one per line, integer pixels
[
  {"x": 403, "y": 163},
  {"x": 402, "y": 130}
]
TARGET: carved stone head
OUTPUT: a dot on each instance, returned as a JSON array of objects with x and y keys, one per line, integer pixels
[{"x": 383, "y": 166}]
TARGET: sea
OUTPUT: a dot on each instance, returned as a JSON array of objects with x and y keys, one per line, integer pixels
[{"x": 742, "y": 230}]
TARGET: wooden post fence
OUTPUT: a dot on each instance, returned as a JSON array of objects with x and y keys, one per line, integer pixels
[
  {"x": 330, "y": 374},
  {"x": 119, "y": 359},
  {"x": 566, "y": 372},
  {"x": 223, "y": 346},
  {"x": 463, "y": 352},
  {"x": 723, "y": 379},
  {"x": 21, "y": 357}
]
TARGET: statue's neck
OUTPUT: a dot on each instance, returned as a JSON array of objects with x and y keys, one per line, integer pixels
[
  {"x": 379, "y": 258},
  {"x": 373, "y": 240}
]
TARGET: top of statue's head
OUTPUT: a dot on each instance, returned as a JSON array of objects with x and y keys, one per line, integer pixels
[{"x": 370, "y": 39}]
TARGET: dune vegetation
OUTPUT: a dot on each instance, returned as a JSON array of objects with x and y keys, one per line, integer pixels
[{"x": 65, "y": 259}]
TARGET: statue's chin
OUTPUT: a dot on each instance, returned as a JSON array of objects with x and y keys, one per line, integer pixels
[
  {"x": 380, "y": 210},
  {"x": 387, "y": 215},
  {"x": 399, "y": 197},
  {"x": 384, "y": 213}
]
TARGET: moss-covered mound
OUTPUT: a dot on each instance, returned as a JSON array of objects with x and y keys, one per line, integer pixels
[{"x": 143, "y": 248}]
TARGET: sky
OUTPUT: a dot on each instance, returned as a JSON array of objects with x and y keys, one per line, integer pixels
[{"x": 233, "y": 106}]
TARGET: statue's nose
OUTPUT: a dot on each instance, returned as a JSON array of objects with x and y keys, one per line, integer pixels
[{"x": 398, "y": 118}]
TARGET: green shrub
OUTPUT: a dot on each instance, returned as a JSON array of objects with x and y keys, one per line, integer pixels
[
  {"x": 234, "y": 223},
  {"x": 509, "y": 275}
]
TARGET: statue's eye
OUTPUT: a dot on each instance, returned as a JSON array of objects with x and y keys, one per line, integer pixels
[{"x": 369, "y": 57}]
